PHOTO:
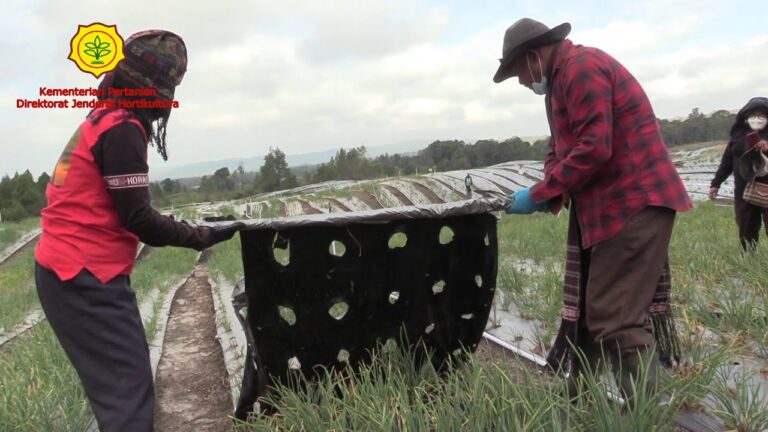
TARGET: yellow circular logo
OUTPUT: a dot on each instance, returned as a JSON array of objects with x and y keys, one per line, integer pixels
[{"x": 96, "y": 48}]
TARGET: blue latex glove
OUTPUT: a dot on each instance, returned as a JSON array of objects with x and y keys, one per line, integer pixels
[{"x": 522, "y": 203}]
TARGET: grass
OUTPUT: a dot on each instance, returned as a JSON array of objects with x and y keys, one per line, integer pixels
[
  {"x": 539, "y": 237},
  {"x": 226, "y": 263},
  {"x": 186, "y": 213},
  {"x": 39, "y": 389},
  {"x": 719, "y": 299},
  {"x": 17, "y": 288},
  {"x": 718, "y": 286},
  {"x": 228, "y": 210},
  {"x": 273, "y": 211},
  {"x": 740, "y": 404},
  {"x": 396, "y": 393},
  {"x": 226, "y": 260},
  {"x": 162, "y": 269},
  {"x": 10, "y": 232},
  {"x": 341, "y": 192}
]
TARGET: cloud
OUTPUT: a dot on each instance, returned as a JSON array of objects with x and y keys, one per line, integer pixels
[
  {"x": 307, "y": 75},
  {"x": 364, "y": 29},
  {"x": 718, "y": 77}
]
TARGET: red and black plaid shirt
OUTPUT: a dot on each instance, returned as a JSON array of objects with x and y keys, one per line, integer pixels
[{"x": 606, "y": 152}]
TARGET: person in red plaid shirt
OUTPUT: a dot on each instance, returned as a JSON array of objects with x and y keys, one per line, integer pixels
[{"x": 608, "y": 160}]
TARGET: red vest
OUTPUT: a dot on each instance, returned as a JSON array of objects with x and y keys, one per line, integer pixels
[{"x": 81, "y": 228}]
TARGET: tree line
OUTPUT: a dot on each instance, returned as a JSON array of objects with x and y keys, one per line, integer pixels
[{"x": 22, "y": 196}]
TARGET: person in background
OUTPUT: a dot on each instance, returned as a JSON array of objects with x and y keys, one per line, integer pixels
[
  {"x": 98, "y": 210},
  {"x": 753, "y": 117},
  {"x": 608, "y": 160},
  {"x": 468, "y": 185}
]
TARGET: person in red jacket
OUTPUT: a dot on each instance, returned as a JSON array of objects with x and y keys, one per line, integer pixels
[
  {"x": 98, "y": 210},
  {"x": 606, "y": 158},
  {"x": 751, "y": 118}
]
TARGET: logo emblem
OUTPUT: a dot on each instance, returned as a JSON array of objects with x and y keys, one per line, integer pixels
[{"x": 96, "y": 48}]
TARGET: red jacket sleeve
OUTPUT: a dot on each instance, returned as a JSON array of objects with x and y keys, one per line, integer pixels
[{"x": 587, "y": 95}]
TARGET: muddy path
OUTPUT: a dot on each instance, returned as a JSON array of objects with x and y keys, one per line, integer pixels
[
  {"x": 306, "y": 208},
  {"x": 191, "y": 387},
  {"x": 368, "y": 198},
  {"x": 338, "y": 204},
  {"x": 399, "y": 195},
  {"x": 427, "y": 192}
]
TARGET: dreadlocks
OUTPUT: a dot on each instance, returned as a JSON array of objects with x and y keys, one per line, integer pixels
[{"x": 154, "y": 120}]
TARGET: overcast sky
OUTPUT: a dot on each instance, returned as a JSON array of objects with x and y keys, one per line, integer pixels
[{"x": 313, "y": 75}]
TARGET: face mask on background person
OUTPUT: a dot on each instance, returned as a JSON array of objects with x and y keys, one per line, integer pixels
[
  {"x": 540, "y": 87},
  {"x": 757, "y": 121}
]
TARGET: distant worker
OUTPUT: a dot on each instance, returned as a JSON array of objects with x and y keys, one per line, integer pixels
[
  {"x": 98, "y": 211},
  {"x": 751, "y": 118},
  {"x": 468, "y": 185},
  {"x": 608, "y": 159}
]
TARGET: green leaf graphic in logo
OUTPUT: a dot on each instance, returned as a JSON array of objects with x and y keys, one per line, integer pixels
[{"x": 97, "y": 48}]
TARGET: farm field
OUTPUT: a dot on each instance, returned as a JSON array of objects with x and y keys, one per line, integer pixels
[{"x": 719, "y": 299}]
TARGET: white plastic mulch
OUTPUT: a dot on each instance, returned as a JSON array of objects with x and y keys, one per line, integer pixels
[
  {"x": 410, "y": 191},
  {"x": 20, "y": 243}
]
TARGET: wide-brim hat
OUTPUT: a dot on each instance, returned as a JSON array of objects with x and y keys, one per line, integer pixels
[{"x": 525, "y": 35}]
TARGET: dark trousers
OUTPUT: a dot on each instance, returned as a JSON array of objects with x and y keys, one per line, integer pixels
[
  {"x": 748, "y": 219},
  {"x": 622, "y": 275},
  {"x": 100, "y": 329}
]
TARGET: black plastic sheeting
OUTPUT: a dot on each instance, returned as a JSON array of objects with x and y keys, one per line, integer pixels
[{"x": 326, "y": 293}]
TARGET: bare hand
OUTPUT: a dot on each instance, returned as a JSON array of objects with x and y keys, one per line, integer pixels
[
  {"x": 762, "y": 145},
  {"x": 713, "y": 192}
]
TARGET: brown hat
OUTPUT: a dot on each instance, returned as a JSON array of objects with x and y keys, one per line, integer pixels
[{"x": 523, "y": 36}]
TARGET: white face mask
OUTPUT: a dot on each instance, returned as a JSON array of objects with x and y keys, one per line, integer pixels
[
  {"x": 540, "y": 88},
  {"x": 757, "y": 122}
]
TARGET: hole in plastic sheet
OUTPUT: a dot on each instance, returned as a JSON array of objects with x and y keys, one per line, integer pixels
[
  {"x": 457, "y": 351},
  {"x": 446, "y": 235},
  {"x": 338, "y": 310},
  {"x": 429, "y": 328},
  {"x": 438, "y": 287},
  {"x": 294, "y": 363},
  {"x": 468, "y": 316},
  {"x": 487, "y": 240},
  {"x": 281, "y": 250},
  {"x": 287, "y": 314},
  {"x": 479, "y": 281},
  {"x": 337, "y": 248},
  {"x": 397, "y": 240},
  {"x": 343, "y": 356},
  {"x": 390, "y": 346},
  {"x": 393, "y": 297}
]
